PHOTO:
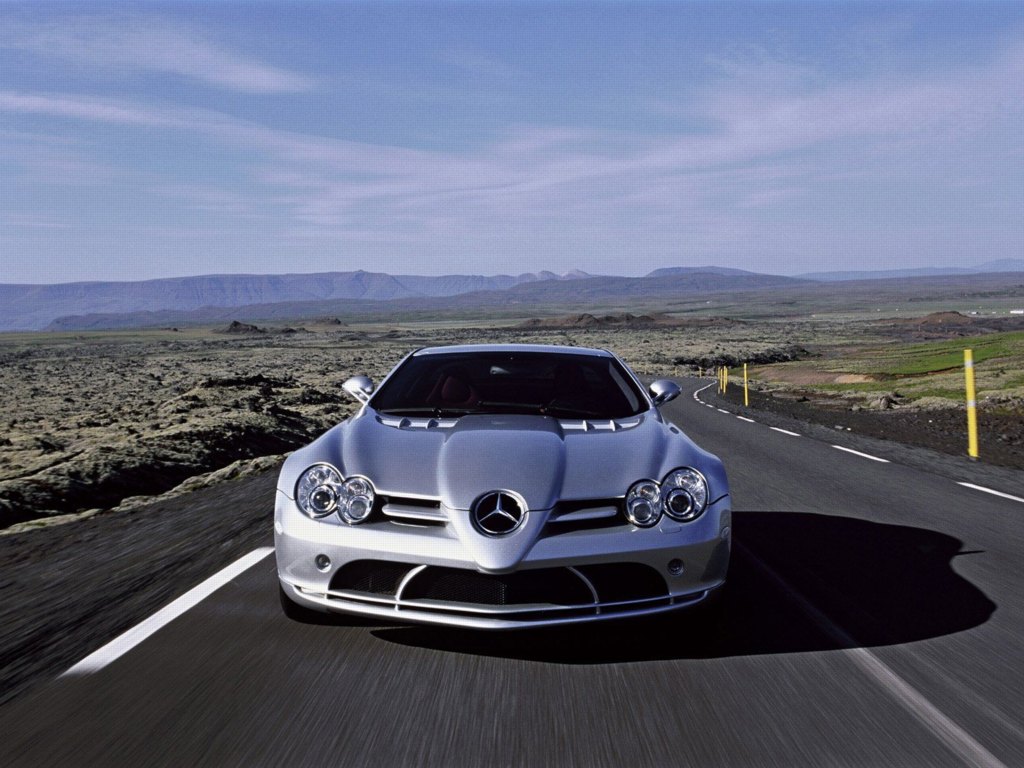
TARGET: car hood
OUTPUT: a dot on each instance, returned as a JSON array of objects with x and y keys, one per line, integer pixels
[{"x": 541, "y": 458}]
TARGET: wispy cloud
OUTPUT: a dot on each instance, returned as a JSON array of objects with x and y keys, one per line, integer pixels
[
  {"x": 125, "y": 44},
  {"x": 753, "y": 126},
  {"x": 32, "y": 221},
  {"x": 91, "y": 108},
  {"x": 775, "y": 169}
]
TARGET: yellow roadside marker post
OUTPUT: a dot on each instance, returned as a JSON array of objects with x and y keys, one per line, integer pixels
[
  {"x": 746, "y": 393},
  {"x": 726, "y": 386},
  {"x": 972, "y": 406}
]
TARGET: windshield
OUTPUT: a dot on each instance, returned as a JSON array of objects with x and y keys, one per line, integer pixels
[{"x": 568, "y": 386}]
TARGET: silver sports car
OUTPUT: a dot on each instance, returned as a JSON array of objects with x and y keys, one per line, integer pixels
[{"x": 502, "y": 486}]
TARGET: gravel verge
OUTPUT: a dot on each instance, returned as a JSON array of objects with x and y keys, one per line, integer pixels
[{"x": 888, "y": 435}]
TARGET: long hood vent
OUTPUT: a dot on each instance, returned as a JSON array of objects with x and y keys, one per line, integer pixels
[
  {"x": 405, "y": 422},
  {"x": 599, "y": 425}
]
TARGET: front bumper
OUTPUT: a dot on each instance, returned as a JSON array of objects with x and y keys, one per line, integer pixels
[{"x": 427, "y": 575}]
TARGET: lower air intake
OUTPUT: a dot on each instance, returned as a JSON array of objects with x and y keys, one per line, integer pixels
[
  {"x": 551, "y": 586},
  {"x": 377, "y": 577},
  {"x": 618, "y": 582}
]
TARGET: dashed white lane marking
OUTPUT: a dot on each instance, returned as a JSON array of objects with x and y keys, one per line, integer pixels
[
  {"x": 949, "y": 733},
  {"x": 989, "y": 490},
  {"x": 744, "y": 418},
  {"x": 721, "y": 410},
  {"x": 862, "y": 455},
  {"x": 122, "y": 644},
  {"x": 785, "y": 431}
]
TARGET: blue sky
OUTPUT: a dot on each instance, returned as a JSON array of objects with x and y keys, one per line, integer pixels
[{"x": 153, "y": 140}]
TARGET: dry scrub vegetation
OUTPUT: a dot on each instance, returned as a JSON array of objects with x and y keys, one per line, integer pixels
[{"x": 93, "y": 421}]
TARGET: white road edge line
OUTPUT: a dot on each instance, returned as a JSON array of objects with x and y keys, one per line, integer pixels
[
  {"x": 989, "y": 490},
  {"x": 863, "y": 455},
  {"x": 697, "y": 392},
  {"x": 785, "y": 431},
  {"x": 744, "y": 418},
  {"x": 721, "y": 410},
  {"x": 120, "y": 645},
  {"x": 949, "y": 733}
]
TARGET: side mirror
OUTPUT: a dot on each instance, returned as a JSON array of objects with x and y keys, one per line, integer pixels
[
  {"x": 360, "y": 387},
  {"x": 663, "y": 390}
]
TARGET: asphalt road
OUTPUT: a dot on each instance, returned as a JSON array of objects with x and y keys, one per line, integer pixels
[{"x": 875, "y": 617}]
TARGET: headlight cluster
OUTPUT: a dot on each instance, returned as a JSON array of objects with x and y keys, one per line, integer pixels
[
  {"x": 682, "y": 495},
  {"x": 321, "y": 491}
]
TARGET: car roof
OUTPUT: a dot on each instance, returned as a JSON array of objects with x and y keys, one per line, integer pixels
[{"x": 536, "y": 348}]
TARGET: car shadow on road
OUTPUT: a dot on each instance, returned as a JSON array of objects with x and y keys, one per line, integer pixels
[{"x": 798, "y": 582}]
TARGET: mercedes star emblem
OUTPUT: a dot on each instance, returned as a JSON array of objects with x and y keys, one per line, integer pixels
[{"x": 498, "y": 513}]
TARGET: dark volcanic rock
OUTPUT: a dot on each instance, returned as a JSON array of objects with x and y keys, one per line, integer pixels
[
  {"x": 948, "y": 325},
  {"x": 237, "y": 327},
  {"x": 587, "y": 320},
  {"x": 777, "y": 355}
]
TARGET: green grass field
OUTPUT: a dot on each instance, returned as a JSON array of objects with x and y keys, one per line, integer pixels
[{"x": 925, "y": 372}]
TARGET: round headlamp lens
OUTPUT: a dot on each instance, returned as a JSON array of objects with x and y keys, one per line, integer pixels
[
  {"x": 316, "y": 493},
  {"x": 323, "y": 499},
  {"x": 357, "y": 503},
  {"x": 678, "y": 503},
  {"x": 643, "y": 504},
  {"x": 684, "y": 494}
]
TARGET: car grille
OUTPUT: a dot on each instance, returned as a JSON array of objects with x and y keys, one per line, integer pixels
[
  {"x": 589, "y": 589},
  {"x": 406, "y": 510},
  {"x": 567, "y": 516},
  {"x": 584, "y": 515}
]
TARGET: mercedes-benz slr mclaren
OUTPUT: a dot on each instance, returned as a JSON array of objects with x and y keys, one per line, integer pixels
[{"x": 502, "y": 486}]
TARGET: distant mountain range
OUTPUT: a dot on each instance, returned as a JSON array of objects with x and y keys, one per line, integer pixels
[
  {"x": 33, "y": 307},
  {"x": 709, "y": 270},
  {"x": 213, "y": 298},
  {"x": 560, "y": 292},
  {"x": 1000, "y": 265}
]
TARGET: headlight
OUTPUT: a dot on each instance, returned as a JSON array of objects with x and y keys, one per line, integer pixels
[
  {"x": 643, "y": 504},
  {"x": 684, "y": 494},
  {"x": 321, "y": 490},
  {"x": 357, "y": 500},
  {"x": 316, "y": 493}
]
